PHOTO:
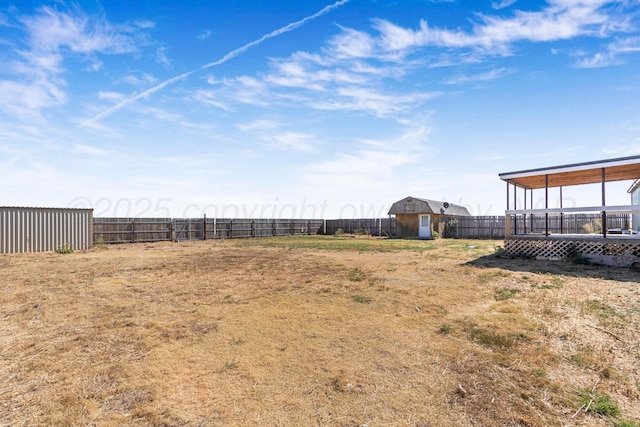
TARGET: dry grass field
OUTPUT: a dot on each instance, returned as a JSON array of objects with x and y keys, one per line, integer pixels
[{"x": 326, "y": 331}]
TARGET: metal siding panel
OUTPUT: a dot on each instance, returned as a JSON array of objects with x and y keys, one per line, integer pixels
[{"x": 43, "y": 229}]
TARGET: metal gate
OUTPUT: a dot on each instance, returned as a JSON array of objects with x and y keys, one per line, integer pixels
[{"x": 188, "y": 229}]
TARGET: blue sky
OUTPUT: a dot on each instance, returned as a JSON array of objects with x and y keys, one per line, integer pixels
[{"x": 309, "y": 109}]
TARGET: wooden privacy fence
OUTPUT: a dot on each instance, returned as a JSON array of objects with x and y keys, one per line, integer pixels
[
  {"x": 472, "y": 227},
  {"x": 132, "y": 230},
  {"x": 369, "y": 226}
]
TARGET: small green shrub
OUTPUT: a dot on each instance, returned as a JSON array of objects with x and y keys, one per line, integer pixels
[
  {"x": 338, "y": 232},
  {"x": 356, "y": 275},
  {"x": 625, "y": 423},
  {"x": 499, "y": 252},
  {"x": 230, "y": 364},
  {"x": 505, "y": 294},
  {"x": 65, "y": 248},
  {"x": 492, "y": 275},
  {"x": 100, "y": 242},
  {"x": 600, "y": 403},
  {"x": 488, "y": 338},
  {"x": 445, "y": 329},
  {"x": 579, "y": 361},
  {"x": 362, "y": 232},
  {"x": 361, "y": 299}
]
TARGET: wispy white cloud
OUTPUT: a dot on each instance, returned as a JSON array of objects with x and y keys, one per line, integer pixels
[
  {"x": 51, "y": 30},
  {"x": 502, "y": 4},
  {"x": 161, "y": 56},
  {"x": 274, "y": 135},
  {"x": 561, "y": 20},
  {"x": 352, "y": 44},
  {"x": 94, "y": 65},
  {"x": 624, "y": 45},
  {"x": 259, "y": 125},
  {"x": 87, "y": 149},
  {"x": 25, "y": 99},
  {"x": 371, "y": 101},
  {"x": 51, "y": 35},
  {"x": 144, "y": 24},
  {"x": 139, "y": 79},
  {"x": 349, "y": 74},
  {"x": 211, "y": 98},
  {"x": 613, "y": 54},
  {"x": 474, "y": 78},
  {"x": 598, "y": 60},
  {"x": 111, "y": 96},
  {"x": 204, "y": 35},
  {"x": 359, "y": 71},
  {"x": 370, "y": 166},
  {"x": 232, "y": 54},
  {"x": 294, "y": 141}
]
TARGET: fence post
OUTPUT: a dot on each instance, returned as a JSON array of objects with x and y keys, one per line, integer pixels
[
  {"x": 253, "y": 228},
  {"x": 204, "y": 227},
  {"x": 133, "y": 230}
]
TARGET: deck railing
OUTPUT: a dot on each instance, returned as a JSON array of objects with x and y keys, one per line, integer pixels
[{"x": 521, "y": 221}]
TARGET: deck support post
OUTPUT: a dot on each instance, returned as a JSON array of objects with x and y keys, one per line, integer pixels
[
  {"x": 604, "y": 213},
  {"x": 507, "y": 223},
  {"x": 515, "y": 207},
  {"x": 525, "y": 208},
  {"x": 531, "y": 215},
  {"x": 561, "y": 214},
  {"x": 546, "y": 204}
]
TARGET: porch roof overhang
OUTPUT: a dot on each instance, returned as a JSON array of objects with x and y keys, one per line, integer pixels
[{"x": 620, "y": 169}]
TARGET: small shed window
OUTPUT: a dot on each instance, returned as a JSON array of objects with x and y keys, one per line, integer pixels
[{"x": 424, "y": 221}]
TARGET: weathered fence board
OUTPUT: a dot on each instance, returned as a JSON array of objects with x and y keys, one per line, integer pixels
[
  {"x": 369, "y": 226},
  {"x": 472, "y": 227},
  {"x": 130, "y": 230}
]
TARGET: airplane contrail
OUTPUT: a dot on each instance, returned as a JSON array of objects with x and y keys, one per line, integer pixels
[{"x": 290, "y": 27}]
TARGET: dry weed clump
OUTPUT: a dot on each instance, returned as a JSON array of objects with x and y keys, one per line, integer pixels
[{"x": 309, "y": 330}]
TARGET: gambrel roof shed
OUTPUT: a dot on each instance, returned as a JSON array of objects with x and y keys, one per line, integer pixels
[{"x": 415, "y": 205}]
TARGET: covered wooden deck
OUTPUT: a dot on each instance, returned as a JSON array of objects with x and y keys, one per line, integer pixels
[{"x": 521, "y": 239}]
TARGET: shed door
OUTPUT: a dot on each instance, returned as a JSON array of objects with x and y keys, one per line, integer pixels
[{"x": 424, "y": 229}]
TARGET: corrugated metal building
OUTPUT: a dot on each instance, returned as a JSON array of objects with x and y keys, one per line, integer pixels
[{"x": 44, "y": 229}]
